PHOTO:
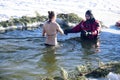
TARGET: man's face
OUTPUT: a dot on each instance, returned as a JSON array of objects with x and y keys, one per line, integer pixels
[{"x": 87, "y": 17}]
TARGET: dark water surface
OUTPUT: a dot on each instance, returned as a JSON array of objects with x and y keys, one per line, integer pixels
[{"x": 23, "y": 55}]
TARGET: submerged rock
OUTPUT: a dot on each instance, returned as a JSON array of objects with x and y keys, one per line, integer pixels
[
  {"x": 104, "y": 70},
  {"x": 64, "y": 73}
]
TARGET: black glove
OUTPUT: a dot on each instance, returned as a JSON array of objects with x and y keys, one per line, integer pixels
[
  {"x": 89, "y": 33},
  {"x": 86, "y": 33},
  {"x": 67, "y": 31}
]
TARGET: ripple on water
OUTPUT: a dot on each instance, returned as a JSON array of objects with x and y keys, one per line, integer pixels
[{"x": 28, "y": 57}]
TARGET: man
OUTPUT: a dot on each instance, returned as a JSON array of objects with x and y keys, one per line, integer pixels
[
  {"x": 50, "y": 30},
  {"x": 89, "y": 28}
]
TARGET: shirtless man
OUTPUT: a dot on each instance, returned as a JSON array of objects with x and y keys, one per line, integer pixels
[{"x": 50, "y": 29}]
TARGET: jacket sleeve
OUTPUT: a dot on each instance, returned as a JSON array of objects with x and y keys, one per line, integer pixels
[
  {"x": 77, "y": 28},
  {"x": 97, "y": 28}
]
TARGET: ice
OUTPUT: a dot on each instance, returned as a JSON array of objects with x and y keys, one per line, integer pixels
[
  {"x": 108, "y": 14},
  {"x": 113, "y": 76}
]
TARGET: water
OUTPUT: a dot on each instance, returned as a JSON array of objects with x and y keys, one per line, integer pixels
[{"x": 23, "y": 55}]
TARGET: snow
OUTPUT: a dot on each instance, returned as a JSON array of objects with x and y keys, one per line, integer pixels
[{"x": 107, "y": 11}]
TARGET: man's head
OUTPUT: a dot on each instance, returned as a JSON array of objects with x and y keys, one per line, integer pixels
[{"x": 89, "y": 14}]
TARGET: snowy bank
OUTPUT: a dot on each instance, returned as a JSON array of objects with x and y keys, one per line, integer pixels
[{"x": 108, "y": 14}]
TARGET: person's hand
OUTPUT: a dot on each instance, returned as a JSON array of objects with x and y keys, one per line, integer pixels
[
  {"x": 43, "y": 35},
  {"x": 89, "y": 33},
  {"x": 84, "y": 32},
  {"x": 67, "y": 31},
  {"x": 94, "y": 33}
]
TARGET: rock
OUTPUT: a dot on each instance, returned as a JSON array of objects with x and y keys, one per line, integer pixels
[
  {"x": 62, "y": 23},
  {"x": 58, "y": 78},
  {"x": 104, "y": 70},
  {"x": 99, "y": 72},
  {"x": 64, "y": 74}
]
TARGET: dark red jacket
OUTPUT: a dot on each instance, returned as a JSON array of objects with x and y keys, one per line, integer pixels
[{"x": 94, "y": 28}]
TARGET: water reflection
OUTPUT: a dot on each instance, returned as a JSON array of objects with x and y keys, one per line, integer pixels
[
  {"x": 24, "y": 56},
  {"x": 49, "y": 60},
  {"x": 90, "y": 46}
]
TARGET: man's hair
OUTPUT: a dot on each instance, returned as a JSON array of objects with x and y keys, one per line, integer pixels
[
  {"x": 51, "y": 14},
  {"x": 89, "y": 12}
]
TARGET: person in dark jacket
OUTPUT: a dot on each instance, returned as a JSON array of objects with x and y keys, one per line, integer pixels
[{"x": 89, "y": 28}]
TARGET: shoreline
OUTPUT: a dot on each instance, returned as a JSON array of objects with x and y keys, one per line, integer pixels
[{"x": 108, "y": 14}]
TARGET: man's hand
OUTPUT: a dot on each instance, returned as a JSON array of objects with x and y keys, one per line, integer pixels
[{"x": 67, "y": 31}]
